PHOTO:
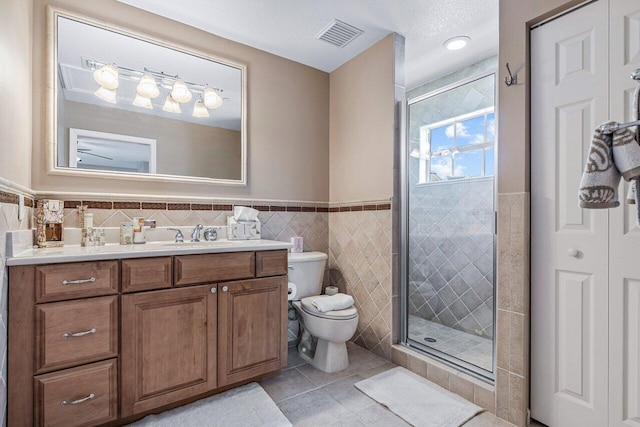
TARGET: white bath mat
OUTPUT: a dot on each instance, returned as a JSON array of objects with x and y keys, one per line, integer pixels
[
  {"x": 416, "y": 400},
  {"x": 246, "y": 406}
]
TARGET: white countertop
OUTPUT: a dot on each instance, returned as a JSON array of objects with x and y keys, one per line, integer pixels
[{"x": 75, "y": 253}]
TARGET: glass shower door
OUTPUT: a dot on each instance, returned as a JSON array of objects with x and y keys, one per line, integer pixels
[{"x": 450, "y": 217}]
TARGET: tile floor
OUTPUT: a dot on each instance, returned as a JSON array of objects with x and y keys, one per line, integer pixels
[
  {"x": 309, "y": 397},
  {"x": 471, "y": 348}
]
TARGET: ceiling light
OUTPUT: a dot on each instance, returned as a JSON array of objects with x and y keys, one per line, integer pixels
[
  {"x": 143, "y": 102},
  {"x": 107, "y": 95},
  {"x": 456, "y": 43},
  {"x": 211, "y": 98},
  {"x": 199, "y": 110},
  {"x": 180, "y": 92},
  {"x": 148, "y": 87},
  {"x": 107, "y": 76},
  {"x": 171, "y": 105}
]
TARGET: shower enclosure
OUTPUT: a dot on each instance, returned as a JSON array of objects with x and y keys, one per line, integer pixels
[{"x": 448, "y": 231}]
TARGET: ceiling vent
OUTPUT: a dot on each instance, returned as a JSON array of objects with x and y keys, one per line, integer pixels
[{"x": 339, "y": 33}]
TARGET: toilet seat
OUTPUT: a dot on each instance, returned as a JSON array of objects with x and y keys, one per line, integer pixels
[{"x": 309, "y": 308}]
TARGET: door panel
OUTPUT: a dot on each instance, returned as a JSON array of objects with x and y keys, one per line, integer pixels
[
  {"x": 624, "y": 271},
  {"x": 168, "y": 346},
  {"x": 252, "y": 328},
  {"x": 569, "y": 293}
]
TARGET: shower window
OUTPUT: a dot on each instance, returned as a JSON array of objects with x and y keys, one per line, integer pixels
[
  {"x": 448, "y": 211},
  {"x": 458, "y": 147}
]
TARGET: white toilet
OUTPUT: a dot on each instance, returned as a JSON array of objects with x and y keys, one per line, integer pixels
[{"x": 324, "y": 336}]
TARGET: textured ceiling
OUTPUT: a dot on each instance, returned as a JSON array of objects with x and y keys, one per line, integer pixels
[{"x": 288, "y": 28}]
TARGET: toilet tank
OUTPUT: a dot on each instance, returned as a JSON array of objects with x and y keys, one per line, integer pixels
[{"x": 306, "y": 271}]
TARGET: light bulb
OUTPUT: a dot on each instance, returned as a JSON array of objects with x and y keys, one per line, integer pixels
[
  {"x": 171, "y": 105},
  {"x": 211, "y": 98},
  {"x": 107, "y": 76},
  {"x": 107, "y": 95},
  {"x": 143, "y": 102},
  {"x": 199, "y": 110},
  {"x": 181, "y": 92},
  {"x": 148, "y": 87}
]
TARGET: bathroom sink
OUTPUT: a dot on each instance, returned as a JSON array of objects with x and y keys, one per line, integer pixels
[{"x": 203, "y": 244}]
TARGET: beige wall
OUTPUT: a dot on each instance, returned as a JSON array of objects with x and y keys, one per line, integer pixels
[
  {"x": 15, "y": 86},
  {"x": 361, "y": 126},
  {"x": 513, "y": 102},
  {"x": 288, "y": 114},
  {"x": 182, "y": 148}
]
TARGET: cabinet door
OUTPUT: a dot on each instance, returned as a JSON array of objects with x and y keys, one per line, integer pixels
[
  {"x": 168, "y": 346},
  {"x": 252, "y": 328}
]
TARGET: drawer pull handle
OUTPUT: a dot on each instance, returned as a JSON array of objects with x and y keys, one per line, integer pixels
[
  {"x": 78, "y": 282},
  {"x": 77, "y": 402},
  {"x": 80, "y": 334}
]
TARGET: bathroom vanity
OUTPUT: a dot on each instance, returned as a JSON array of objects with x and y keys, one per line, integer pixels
[{"x": 104, "y": 336}]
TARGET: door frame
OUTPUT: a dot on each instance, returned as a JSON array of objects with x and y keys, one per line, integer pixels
[{"x": 403, "y": 240}]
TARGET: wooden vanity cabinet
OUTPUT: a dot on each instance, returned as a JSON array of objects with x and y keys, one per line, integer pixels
[{"x": 189, "y": 326}]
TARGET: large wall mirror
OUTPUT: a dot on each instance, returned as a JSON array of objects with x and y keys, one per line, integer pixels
[{"x": 129, "y": 106}]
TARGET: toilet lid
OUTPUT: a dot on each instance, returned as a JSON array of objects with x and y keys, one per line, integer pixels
[{"x": 347, "y": 313}]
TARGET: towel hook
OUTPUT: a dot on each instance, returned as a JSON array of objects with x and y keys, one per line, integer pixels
[{"x": 511, "y": 79}]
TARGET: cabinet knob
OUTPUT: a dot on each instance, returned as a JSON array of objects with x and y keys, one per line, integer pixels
[
  {"x": 573, "y": 252},
  {"x": 214, "y": 290},
  {"x": 225, "y": 288}
]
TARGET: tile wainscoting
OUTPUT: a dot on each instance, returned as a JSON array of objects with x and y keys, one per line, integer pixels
[
  {"x": 358, "y": 239},
  {"x": 8, "y": 222},
  {"x": 360, "y": 265}
]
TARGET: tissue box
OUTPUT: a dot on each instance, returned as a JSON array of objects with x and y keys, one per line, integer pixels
[{"x": 243, "y": 230}]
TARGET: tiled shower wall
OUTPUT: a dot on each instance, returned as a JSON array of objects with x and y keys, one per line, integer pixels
[
  {"x": 451, "y": 254},
  {"x": 8, "y": 222},
  {"x": 360, "y": 265}
]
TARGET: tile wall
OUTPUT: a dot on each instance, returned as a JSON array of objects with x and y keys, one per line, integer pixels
[
  {"x": 8, "y": 222},
  {"x": 451, "y": 254},
  {"x": 513, "y": 305},
  {"x": 360, "y": 265}
]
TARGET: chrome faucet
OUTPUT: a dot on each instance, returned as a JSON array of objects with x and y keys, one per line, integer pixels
[
  {"x": 179, "y": 236},
  {"x": 195, "y": 234}
]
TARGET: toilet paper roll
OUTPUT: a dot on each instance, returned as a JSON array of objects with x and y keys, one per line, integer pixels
[
  {"x": 292, "y": 290},
  {"x": 331, "y": 290}
]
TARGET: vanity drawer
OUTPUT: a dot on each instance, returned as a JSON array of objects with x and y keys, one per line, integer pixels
[
  {"x": 83, "y": 396},
  {"x": 271, "y": 263},
  {"x": 209, "y": 268},
  {"x": 73, "y": 332},
  {"x": 146, "y": 274},
  {"x": 76, "y": 280}
]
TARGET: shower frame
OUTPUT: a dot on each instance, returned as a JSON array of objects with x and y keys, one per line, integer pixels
[{"x": 403, "y": 241}]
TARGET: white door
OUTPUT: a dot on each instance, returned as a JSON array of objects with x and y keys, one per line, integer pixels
[
  {"x": 624, "y": 235},
  {"x": 569, "y": 253}
]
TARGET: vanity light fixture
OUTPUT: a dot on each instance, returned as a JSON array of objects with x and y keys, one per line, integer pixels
[
  {"x": 148, "y": 87},
  {"x": 143, "y": 102},
  {"x": 171, "y": 106},
  {"x": 199, "y": 110},
  {"x": 181, "y": 92},
  {"x": 107, "y": 76},
  {"x": 457, "y": 43},
  {"x": 211, "y": 98},
  {"x": 107, "y": 95}
]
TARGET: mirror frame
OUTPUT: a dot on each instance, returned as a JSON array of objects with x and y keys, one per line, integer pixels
[{"x": 51, "y": 123}]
